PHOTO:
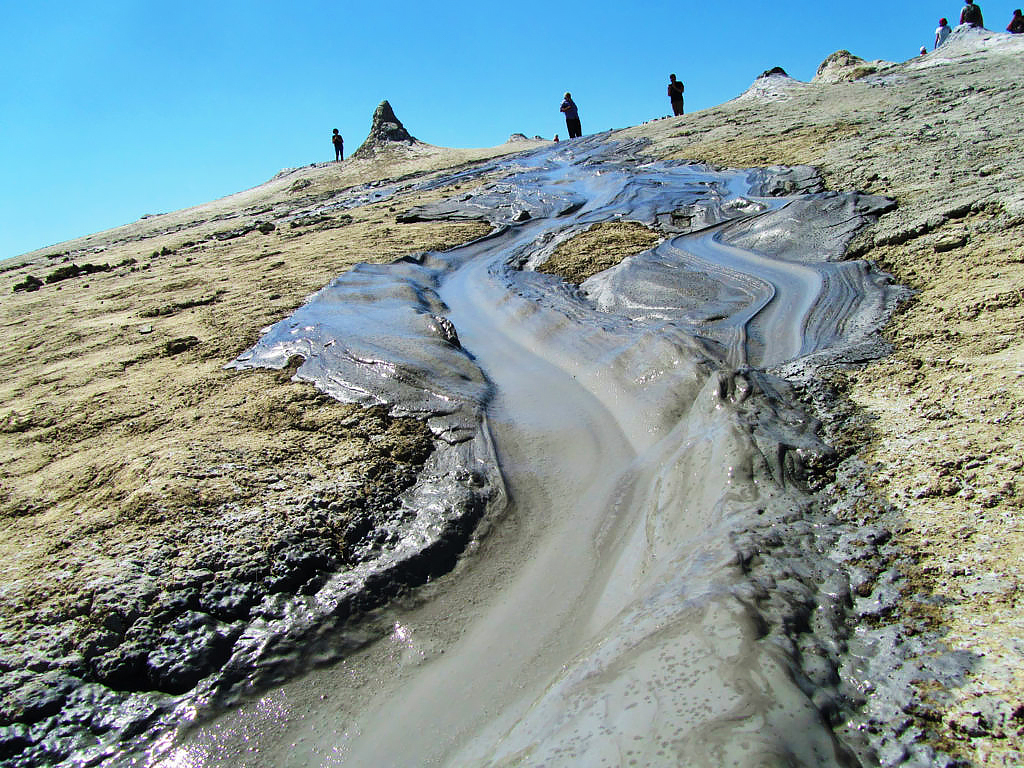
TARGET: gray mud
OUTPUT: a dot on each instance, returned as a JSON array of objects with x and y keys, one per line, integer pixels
[{"x": 657, "y": 586}]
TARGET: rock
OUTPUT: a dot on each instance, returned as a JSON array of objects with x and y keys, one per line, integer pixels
[
  {"x": 950, "y": 242},
  {"x": 517, "y": 137},
  {"x": 386, "y": 129},
  {"x": 843, "y": 66},
  {"x": 773, "y": 72}
]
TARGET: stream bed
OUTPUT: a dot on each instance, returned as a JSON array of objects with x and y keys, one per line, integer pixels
[{"x": 622, "y": 556}]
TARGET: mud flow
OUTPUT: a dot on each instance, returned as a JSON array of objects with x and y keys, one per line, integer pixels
[{"x": 622, "y": 472}]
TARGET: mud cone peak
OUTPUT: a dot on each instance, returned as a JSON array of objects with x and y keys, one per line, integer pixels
[{"x": 386, "y": 129}]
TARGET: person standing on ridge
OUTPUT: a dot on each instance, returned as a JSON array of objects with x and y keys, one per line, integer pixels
[
  {"x": 572, "y": 116},
  {"x": 339, "y": 146},
  {"x": 1016, "y": 25},
  {"x": 675, "y": 95},
  {"x": 971, "y": 14},
  {"x": 942, "y": 32}
]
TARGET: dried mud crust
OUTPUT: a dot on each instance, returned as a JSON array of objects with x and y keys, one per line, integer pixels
[
  {"x": 596, "y": 249},
  {"x": 933, "y": 434},
  {"x": 151, "y": 500}
]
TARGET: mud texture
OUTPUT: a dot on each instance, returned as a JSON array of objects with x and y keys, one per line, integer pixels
[
  {"x": 154, "y": 504},
  {"x": 686, "y": 516},
  {"x": 899, "y": 628},
  {"x": 933, "y": 432}
]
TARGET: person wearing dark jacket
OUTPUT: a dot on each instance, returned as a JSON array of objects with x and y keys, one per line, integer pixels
[
  {"x": 572, "y": 116},
  {"x": 971, "y": 14},
  {"x": 339, "y": 146},
  {"x": 1016, "y": 25},
  {"x": 675, "y": 95}
]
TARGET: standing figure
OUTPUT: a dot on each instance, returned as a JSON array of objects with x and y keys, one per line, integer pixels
[
  {"x": 971, "y": 14},
  {"x": 572, "y": 116},
  {"x": 675, "y": 95},
  {"x": 1016, "y": 25},
  {"x": 339, "y": 146},
  {"x": 942, "y": 32}
]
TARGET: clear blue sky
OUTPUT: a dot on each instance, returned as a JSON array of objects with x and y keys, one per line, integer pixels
[{"x": 114, "y": 109}]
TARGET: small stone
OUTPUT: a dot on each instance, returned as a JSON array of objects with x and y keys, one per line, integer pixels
[{"x": 950, "y": 242}]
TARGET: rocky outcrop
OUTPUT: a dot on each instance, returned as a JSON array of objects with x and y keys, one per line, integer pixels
[
  {"x": 386, "y": 129},
  {"x": 843, "y": 66}
]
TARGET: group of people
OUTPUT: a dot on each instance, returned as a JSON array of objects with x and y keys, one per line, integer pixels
[
  {"x": 568, "y": 108},
  {"x": 572, "y": 112},
  {"x": 971, "y": 14}
]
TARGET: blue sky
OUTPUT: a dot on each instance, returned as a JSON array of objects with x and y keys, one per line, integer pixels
[{"x": 113, "y": 109}]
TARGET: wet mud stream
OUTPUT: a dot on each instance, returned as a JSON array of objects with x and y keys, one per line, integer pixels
[{"x": 647, "y": 583}]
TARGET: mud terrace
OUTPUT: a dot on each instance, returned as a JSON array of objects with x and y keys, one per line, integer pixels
[{"x": 157, "y": 505}]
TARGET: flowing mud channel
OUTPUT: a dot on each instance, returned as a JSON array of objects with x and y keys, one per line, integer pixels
[{"x": 623, "y": 556}]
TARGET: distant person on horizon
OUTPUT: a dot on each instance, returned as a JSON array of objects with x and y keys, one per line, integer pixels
[
  {"x": 971, "y": 14},
  {"x": 1016, "y": 25},
  {"x": 339, "y": 146},
  {"x": 675, "y": 95},
  {"x": 556, "y": 138},
  {"x": 923, "y": 50},
  {"x": 942, "y": 32},
  {"x": 572, "y": 116}
]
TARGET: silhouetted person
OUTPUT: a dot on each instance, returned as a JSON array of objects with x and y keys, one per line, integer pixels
[
  {"x": 556, "y": 138},
  {"x": 675, "y": 95},
  {"x": 572, "y": 116},
  {"x": 942, "y": 32},
  {"x": 339, "y": 146},
  {"x": 1016, "y": 25},
  {"x": 971, "y": 14}
]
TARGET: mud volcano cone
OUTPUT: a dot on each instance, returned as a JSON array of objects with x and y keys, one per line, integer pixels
[{"x": 386, "y": 129}]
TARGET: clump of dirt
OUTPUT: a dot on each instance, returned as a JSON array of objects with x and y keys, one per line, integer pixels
[{"x": 602, "y": 246}]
